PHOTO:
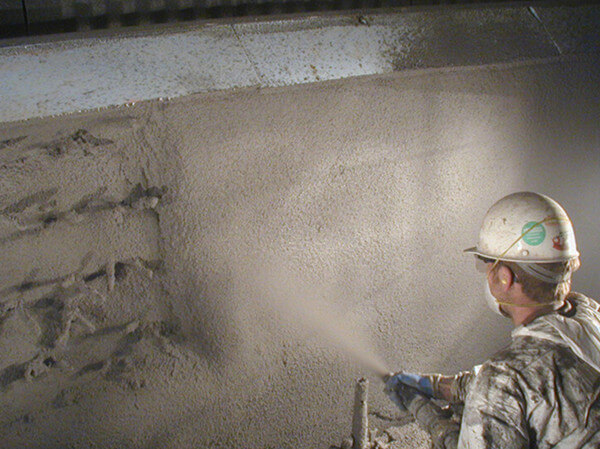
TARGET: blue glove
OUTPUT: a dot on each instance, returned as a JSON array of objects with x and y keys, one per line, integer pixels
[
  {"x": 421, "y": 383},
  {"x": 399, "y": 392}
]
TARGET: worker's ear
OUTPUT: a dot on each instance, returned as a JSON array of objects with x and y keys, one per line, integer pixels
[{"x": 505, "y": 277}]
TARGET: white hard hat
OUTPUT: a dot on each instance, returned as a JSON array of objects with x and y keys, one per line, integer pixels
[{"x": 526, "y": 227}]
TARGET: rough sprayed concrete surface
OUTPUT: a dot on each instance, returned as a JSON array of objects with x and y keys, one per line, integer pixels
[{"x": 130, "y": 238}]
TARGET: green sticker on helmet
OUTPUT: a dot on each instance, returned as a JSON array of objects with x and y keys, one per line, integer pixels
[{"x": 533, "y": 236}]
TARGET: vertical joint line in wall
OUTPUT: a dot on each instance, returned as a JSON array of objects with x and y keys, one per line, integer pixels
[
  {"x": 538, "y": 18},
  {"x": 252, "y": 63},
  {"x": 25, "y": 18}
]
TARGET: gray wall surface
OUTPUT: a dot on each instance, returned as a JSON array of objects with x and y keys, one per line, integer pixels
[{"x": 356, "y": 196}]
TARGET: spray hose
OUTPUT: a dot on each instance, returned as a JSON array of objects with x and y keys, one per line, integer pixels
[{"x": 436, "y": 420}]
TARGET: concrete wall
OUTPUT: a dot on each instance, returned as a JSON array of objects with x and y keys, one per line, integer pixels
[
  {"x": 150, "y": 253},
  {"x": 76, "y": 72}
]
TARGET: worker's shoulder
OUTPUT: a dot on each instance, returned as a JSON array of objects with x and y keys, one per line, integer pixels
[
  {"x": 540, "y": 344},
  {"x": 538, "y": 353},
  {"x": 521, "y": 366},
  {"x": 579, "y": 299},
  {"x": 527, "y": 351},
  {"x": 522, "y": 353}
]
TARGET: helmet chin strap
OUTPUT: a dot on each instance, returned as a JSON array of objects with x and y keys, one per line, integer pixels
[
  {"x": 540, "y": 273},
  {"x": 529, "y": 306}
]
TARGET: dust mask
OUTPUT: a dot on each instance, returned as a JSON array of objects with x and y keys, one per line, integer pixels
[{"x": 490, "y": 299}]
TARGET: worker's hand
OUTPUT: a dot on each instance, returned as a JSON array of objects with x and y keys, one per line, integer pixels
[
  {"x": 422, "y": 383},
  {"x": 443, "y": 430},
  {"x": 399, "y": 392}
]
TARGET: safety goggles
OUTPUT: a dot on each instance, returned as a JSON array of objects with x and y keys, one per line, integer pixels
[{"x": 481, "y": 263}]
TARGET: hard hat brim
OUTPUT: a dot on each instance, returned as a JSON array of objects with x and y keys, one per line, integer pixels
[{"x": 473, "y": 250}]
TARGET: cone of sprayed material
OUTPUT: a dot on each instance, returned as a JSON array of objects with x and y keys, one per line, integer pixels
[{"x": 360, "y": 420}]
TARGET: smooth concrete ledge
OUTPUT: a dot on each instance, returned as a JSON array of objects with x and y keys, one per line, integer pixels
[{"x": 98, "y": 70}]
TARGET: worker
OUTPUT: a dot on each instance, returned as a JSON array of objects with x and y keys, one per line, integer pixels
[{"x": 543, "y": 390}]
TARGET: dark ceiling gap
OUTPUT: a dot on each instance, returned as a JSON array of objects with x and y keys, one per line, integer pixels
[
  {"x": 230, "y": 9},
  {"x": 25, "y": 19}
]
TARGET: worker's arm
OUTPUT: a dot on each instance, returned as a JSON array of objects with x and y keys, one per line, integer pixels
[
  {"x": 495, "y": 414},
  {"x": 454, "y": 389},
  {"x": 437, "y": 421},
  {"x": 449, "y": 388},
  {"x": 493, "y": 418}
]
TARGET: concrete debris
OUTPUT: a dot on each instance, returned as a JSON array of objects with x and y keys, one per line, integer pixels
[
  {"x": 94, "y": 367},
  {"x": 379, "y": 445},
  {"x": 10, "y": 142},
  {"x": 347, "y": 443},
  {"x": 124, "y": 365},
  {"x": 136, "y": 383},
  {"x": 37, "y": 199},
  {"x": 40, "y": 365},
  {"x": 398, "y": 436},
  {"x": 81, "y": 140},
  {"x": 404, "y": 434},
  {"x": 383, "y": 417},
  {"x": 69, "y": 281},
  {"x": 149, "y": 202},
  {"x": 36, "y": 212},
  {"x": 119, "y": 214},
  {"x": 73, "y": 217},
  {"x": 380, "y": 440},
  {"x": 143, "y": 266},
  {"x": 28, "y": 371},
  {"x": 110, "y": 275},
  {"x": 65, "y": 398},
  {"x": 140, "y": 198},
  {"x": 11, "y": 374},
  {"x": 131, "y": 327},
  {"x": 92, "y": 201},
  {"x": 69, "y": 317},
  {"x": 114, "y": 271}
]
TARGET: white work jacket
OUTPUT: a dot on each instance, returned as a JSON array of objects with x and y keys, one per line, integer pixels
[{"x": 543, "y": 390}]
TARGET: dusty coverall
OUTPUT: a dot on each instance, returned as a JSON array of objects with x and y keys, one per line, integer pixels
[{"x": 543, "y": 390}]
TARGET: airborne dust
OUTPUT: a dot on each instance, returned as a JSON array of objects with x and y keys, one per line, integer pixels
[{"x": 309, "y": 309}]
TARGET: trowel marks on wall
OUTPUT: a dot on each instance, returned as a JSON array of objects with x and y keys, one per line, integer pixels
[{"x": 308, "y": 307}]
